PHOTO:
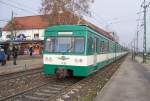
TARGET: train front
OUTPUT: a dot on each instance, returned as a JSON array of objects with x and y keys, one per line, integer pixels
[{"x": 64, "y": 52}]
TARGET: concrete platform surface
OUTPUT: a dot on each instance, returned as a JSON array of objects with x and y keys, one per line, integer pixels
[
  {"x": 22, "y": 65},
  {"x": 130, "y": 83}
]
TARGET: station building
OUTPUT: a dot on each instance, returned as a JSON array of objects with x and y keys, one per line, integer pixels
[{"x": 28, "y": 31}]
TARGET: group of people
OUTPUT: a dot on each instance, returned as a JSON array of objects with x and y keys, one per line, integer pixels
[
  {"x": 32, "y": 50},
  {"x": 6, "y": 53}
]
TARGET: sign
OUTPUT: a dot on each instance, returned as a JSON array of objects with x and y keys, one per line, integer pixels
[
  {"x": 20, "y": 37},
  {"x": 65, "y": 33},
  {"x": 63, "y": 58}
]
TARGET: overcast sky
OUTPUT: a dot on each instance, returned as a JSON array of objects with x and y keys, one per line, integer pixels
[{"x": 113, "y": 15}]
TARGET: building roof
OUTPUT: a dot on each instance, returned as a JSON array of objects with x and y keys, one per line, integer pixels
[
  {"x": 27, "y": 22},
  {"x": 43, "y": 21}
]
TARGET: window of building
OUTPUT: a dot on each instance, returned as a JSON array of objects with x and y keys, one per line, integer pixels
[
  {"x": 8, "y": 36},
  {"x": 36, "y": 36}
]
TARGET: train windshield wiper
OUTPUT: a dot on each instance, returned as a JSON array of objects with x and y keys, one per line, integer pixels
[{"x": 69, "y": 49}]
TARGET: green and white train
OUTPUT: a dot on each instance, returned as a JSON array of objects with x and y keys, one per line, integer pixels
[{"x": 77, "y": 50}]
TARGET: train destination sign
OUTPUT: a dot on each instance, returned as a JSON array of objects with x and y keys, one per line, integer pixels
[{"x": 65, "y": 33}]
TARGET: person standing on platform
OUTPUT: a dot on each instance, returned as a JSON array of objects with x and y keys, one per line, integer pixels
[
  {"x": 8, "y": 53},
  {"x": 14, "y": 54},
  {"x": 2, "y": 56},
  {"x": 31, "y": 51}
]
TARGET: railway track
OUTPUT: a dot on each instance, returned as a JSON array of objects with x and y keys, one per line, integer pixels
[
  {"x": 30, "y": 85},
  {"x": 15, "y": 75},
  {"x": 87, "y": 89},
  {"x": 42, "y": 92},
  {"x": 16, "y": 82},
  {"x": 40, "y": 88}
]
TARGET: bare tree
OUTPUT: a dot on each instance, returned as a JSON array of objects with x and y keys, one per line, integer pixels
[{"x": 77, "y": 7}]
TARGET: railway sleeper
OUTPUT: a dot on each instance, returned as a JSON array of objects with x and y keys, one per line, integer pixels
[
  {"x": 52, "y": 87},
  {"x": 49, "y": 91},
  {"x": 60, "y": 86},
  {"x": 34, "y": 98},
  {"x": 43, "y": 94}
]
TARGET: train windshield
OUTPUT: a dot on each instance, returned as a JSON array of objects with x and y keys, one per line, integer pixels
[{"x": 65, "y": 44}]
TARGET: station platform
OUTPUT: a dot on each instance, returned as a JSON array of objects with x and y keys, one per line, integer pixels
[
  {"x": 130, "y": 83},
  {"x": 23, "y": 63}
]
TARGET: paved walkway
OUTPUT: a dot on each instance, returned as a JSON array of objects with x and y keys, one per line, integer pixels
[
  {"x": 130, "y": 83},
  {"x": 22, "y": 64}
]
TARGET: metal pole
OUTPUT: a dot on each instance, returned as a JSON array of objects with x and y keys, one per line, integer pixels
[
  {"x": 137, "y": 42},
  {"x": 144, "y": 40},
  {"x": 134, "y": 48},
  {"x": 11, "y": 41}
]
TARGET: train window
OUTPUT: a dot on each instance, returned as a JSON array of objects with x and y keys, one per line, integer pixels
[
  {"x": 102, "y": 46},
  {"x": 108, "y": 46},
  {"x": 97, "y": 44},
  {"x": 90, "y": 45},
  {"x": 64, "y": 44}
]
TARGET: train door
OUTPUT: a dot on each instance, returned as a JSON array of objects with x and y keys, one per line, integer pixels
[{"x": 95, "y": 51}]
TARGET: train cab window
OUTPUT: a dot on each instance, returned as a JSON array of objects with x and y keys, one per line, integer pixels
[
  {"x": 65, "y": 44},
  {"x": 49, "y": 45},
  {"x": 79, "y": 45}
]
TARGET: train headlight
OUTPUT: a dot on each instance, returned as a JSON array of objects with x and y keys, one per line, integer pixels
[
  {"x": 48, "y": 58},
  {"x": 76, "y": 60},
  {"x": 80, "y": 60}
]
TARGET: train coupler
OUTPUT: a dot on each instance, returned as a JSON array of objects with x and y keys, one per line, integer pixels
[{"x": 61, "y": 73}]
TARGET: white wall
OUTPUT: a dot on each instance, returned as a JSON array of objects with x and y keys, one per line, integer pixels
[{"x": 29, "y": 33}]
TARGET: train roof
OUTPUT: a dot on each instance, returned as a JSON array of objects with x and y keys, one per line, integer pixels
[
  {"x": 76, "y": 27},
  {"x": 66, "y": 27}
]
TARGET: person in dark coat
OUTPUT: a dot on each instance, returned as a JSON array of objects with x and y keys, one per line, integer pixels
[
  {"x": 14, "y": 54},
  {"x": 31, "y": 50},
  {"x": 2, "y": 56},
  {"x": 8, "y": 53}
]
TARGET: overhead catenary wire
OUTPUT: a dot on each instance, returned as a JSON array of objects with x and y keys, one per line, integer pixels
[
  {"x": 17, "y": 7},
  {"x": 20, "y": 4},
  {"x": 4, "y": 20}
]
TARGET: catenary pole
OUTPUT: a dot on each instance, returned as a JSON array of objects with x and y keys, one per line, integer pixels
[
  {"x": 144, "y": 39},
  {"x": 137, "y": 42}
]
